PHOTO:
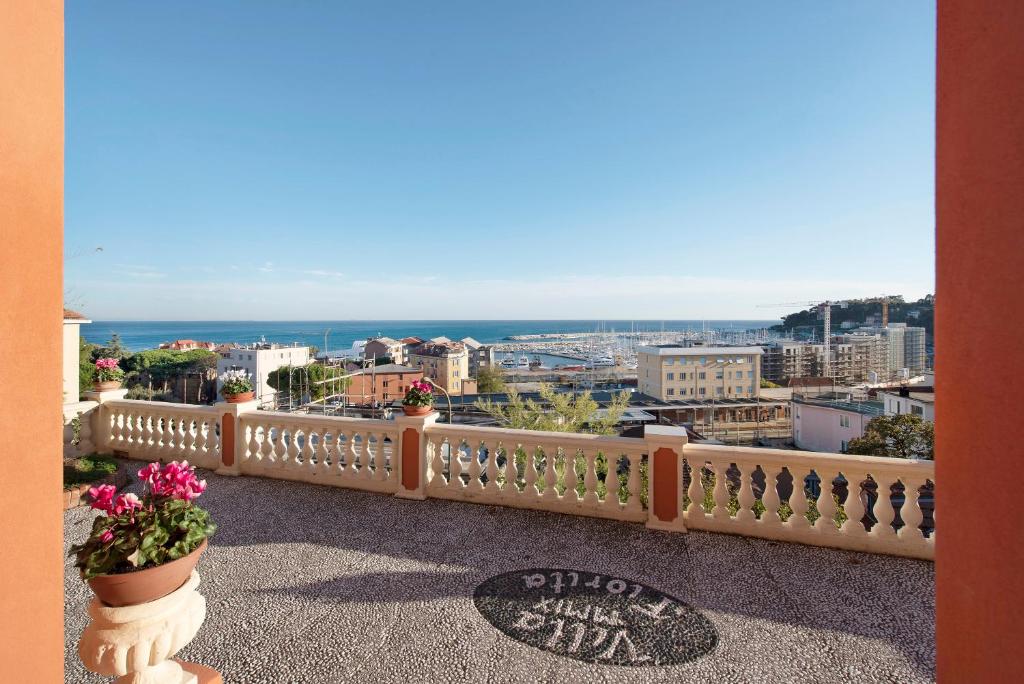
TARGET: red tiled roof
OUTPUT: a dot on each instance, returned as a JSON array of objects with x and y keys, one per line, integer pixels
[{"x": 71, "y": 315}]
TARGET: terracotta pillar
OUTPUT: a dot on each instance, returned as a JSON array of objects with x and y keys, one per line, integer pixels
[
  {"x": 31, "y": 322},
  {"x": 979, "y": 421},
  {"x": 232, "y": 435},
  {"x": 665, "y": 446},
  {"x": 412, "y": 456}
]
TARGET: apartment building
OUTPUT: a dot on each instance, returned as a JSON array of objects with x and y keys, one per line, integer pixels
[
  {"x": 787, "y": 359},
  {"x": 915, "y": 400},
  {"x": 260, "y": 360},
  {"x": 381, "y": 384},
  {"x": 859, "y": 357},
  {"x": 446, "y": 363},
  {"x": 379, "y": 347},
  {"x": 480, "y": 355},
  {"x": 829, "y": 422},
  {"x": 906, "y": 350},
  {"x": 673, "y": 372}
]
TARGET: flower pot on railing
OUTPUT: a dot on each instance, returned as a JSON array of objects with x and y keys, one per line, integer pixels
[
  {"x": 416, "y": 410},
  {"x": 236, "y": 386},
  {"x": 108, "y": 375},
  {"x": 419, "y": 399}
]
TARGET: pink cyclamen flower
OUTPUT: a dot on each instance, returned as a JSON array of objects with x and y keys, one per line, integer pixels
[
  {"x": 102, "y": 497},
  {"x": 107, "y": 536},
  {"x": 126, "y": 503}
]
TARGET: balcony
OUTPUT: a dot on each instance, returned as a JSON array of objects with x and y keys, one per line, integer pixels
[{"x": 351, "y": 549}]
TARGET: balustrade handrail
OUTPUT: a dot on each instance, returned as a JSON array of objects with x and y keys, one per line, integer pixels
[
  {"x": 808, "y": 459},
  {"x": 160, "y": 405},
  {"x": 536, "y": 437},
  {"x": 307, "y": 419}
]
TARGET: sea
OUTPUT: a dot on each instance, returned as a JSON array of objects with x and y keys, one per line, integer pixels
[{"x": 139, "y": 335}]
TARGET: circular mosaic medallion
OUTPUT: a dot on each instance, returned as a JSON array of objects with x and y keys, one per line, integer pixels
[{"x": 600, "y": 619}]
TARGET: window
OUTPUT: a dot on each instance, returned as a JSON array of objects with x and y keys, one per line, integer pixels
[
  {"x": 719, "y": 375},
  {"x": 719, "y": 391},
  {"x": 750, "y": 389},
  {"x": 671, "y": 376},
  {"x": 844, "y": 421},
  {"x": 843, "y": 444},
  {"x": 669, "y": 361},
  {"x": 917, "y": 410},
  {"x": 671, "y": 391},
  {"x": 750, "y": 374},
  {"x": 702, "y": 375},
  {"x": 702, "y": 391}
]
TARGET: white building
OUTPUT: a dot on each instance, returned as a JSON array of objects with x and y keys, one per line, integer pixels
[
  {"x": 260, "y": 360},
  {"x": 915, "y": 401},
  {"x": 830, "y": 421},
  {"x": 72, "y": 324}
]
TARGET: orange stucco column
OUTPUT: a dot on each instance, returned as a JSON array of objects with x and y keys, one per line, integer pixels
[
  {"x": 979, "y": 423},
  {"x": 31, "y": 216},
  {"x": 665, "y": 481},
  {"x": 227, "y": 439},
  {"x": 411, "y": 459}
]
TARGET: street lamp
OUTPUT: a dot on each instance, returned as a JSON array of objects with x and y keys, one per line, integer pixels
[{"x": 446, "y": 396}]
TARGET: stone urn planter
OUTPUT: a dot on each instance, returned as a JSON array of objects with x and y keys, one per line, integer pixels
[
  {"x": 239, "y": 398},
  {"x": 416, "y": 410},
  {"x": 143, "y": 586},
  {"x": 107, "y": 385}
]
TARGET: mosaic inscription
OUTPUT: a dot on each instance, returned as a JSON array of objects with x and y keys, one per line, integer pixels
[{"x": 595, "y": 618}]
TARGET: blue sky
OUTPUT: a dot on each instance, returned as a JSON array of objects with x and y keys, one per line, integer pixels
[{"x": 337, "y": 160}]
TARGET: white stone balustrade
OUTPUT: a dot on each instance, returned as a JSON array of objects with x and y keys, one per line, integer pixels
[{"x": 749, "y": 491}]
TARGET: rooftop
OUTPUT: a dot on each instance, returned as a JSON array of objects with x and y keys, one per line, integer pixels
[
  {"x": 680, "y": 350},
  {"x": 387, "y": 368},
  {"x": 312, "y": 583}
]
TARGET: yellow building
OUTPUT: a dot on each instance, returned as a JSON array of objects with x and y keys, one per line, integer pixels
[
  {"x": 446, "y": 363},
  {"x": 673, "y": 373}
]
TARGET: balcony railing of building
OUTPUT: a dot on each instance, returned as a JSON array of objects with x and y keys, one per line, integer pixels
[{"x": 874, "y": 504}]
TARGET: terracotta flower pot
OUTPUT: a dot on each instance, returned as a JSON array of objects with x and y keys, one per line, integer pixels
[
  {"x": 239, "y": 398},
  {"x": 143, "y": 586},
  {"x": 417, "y": 410},
  {"x": 106, "y": 385}
]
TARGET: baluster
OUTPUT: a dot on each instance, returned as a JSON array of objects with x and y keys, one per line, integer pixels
[
  {"x": 280, "y": 447},
  {"x": 696, "y": 489},
  {"x": 826, "y": 524},
  {"x": 365, "y": 472},
  {"x": 590, "y": 478},
  {"x": 721, "y": 490},
  {"x": 490, "y": 448},
  {"x": 188, "y": 443},
  {"x": 379, "y": 471},
  {"x": 115, "y": 429},
  {"x": 146, "y": 438},
  {"x": 745, "y": 496},
  {"x": 633, "y": 503},
  {"x": 611, "y": 481},
  {"x": 455, "y": 469},
  {"x": 884, "y": 512},
  {"x": 342, "y": 460},
  {"x": 253, "y": 452},
  {"x": 308, "y": 449},
  {"x": 854, "y": 505},
  {"x": 770, "y": 498},
  {"x": 322, "y": 453},
  {"x": 911, "y": 512},
  {"x": 511, "y": 487},
  {"x": 475, "y": 469},
  {"x": 550, "y": 474},
  {"x": 290, "y": 437},
  {"x": 571, "y": 479},
  {"x": 530, "y": 476},
  {"x": 798, "y": 501},
  {"x": 436, "y": 463}
]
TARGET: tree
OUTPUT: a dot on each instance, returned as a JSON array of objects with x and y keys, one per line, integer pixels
[
  {"x": 112, "y": 350},
  {"x": 564, "y": 412},
  {"x": 490, "y": 380},
  {"x": 86, "y": 365},
  {"x": 900, "y": 436}
]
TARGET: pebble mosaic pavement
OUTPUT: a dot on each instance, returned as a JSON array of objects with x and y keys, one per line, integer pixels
[{"x": 321, "y": 584}]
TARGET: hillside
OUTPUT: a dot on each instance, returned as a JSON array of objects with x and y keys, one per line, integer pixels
[{"x": 858, "y": 310}]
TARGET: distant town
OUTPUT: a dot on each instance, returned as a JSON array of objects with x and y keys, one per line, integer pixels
[{"x": 812, "y": 382}]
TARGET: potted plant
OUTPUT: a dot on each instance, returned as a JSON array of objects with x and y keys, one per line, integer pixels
[
  {"x": 236, "y": 386},
  {"x": 142, "y": 549},
  {"x": 108, "y": 375},
  {"x": 419, "y": 399}
]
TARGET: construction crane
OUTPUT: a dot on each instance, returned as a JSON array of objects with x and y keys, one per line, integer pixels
[{"x": 825, "y": 313}]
